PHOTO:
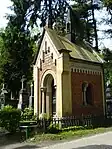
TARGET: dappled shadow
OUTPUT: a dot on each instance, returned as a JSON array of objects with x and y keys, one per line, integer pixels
[
  {"x": 27, "y": 147},
  {"x": 102, "y": 146},
  {"x": 8, "y": 139},
  {"x": 20, "y": 146}
]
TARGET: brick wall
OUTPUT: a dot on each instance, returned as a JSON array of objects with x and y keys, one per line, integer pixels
[{"x": 77, "y": 101}]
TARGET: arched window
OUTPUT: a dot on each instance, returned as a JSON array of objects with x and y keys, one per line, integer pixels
[
  {"x": 87, "y": 91},
  {"x": 53, "y": 98}
]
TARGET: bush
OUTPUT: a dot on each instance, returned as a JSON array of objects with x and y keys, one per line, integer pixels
[
  {"x": 77, "y": 128},
  {"x": 9, "y": 118},
  {"x": 53, "y": 128},
  {"x": 27, "y": 114},
  {"x": 45, "y": 116}
]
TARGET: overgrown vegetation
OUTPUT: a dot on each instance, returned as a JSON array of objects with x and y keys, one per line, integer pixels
[
  {"x": 74, "y": 134},
  {"x": 10, "y": 118},
  {"x": 27, "y": 114}
]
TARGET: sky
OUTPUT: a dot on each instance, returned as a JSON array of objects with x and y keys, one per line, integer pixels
[
  {"x": 3, "y": 11},
  {"x": 3, "y": 22}
]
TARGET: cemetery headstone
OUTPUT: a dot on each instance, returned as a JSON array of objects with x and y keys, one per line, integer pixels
[
  {"x": 3, "y": 96},
  {"x": 31, "y": 98},
  {"x": 23, "y": 95}
]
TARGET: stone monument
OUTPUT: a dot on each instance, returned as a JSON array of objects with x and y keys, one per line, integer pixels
[
  {"x": 31, "y": 98},
  {"x": 23, "y": 95},
  {"x": 108, "y": 98},
  {"x": 3, "y": 96}
]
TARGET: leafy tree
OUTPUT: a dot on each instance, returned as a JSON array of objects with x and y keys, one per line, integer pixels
[
  {"x": 18, "y": 45},
  {"x": 3, "y": 57},
  {"x": 84, "y": 9},
  {"x": 32, "y": 10},
  {"x": 107, "y": 56},
  {"x": 108, "y": 5},
  {"x": 10, "y": 118},
  {"x": 107, "y": 52},
  {"x": 18, "y": 41}
]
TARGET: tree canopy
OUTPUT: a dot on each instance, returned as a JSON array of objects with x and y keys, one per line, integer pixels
[{"x": 17, "y": 43}]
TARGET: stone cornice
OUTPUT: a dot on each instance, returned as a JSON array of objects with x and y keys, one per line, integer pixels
[{"x": 86, "y": 71}]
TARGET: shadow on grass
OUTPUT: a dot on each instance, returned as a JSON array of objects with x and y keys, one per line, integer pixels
[
  {"x": 27, "y": 147},
  {"x": 102, "y": 146},
  {"x": 7, "y": 139}
]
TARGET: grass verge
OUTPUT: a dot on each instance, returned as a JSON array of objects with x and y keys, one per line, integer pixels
[{"x": 67, "y": 135}]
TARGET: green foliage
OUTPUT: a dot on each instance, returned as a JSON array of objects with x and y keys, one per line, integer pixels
[
  {"x": 9, "y": 118},
  {"x": 30, "y": 11},
  {"x": 18, "y": 47},
  {"x": 45, "y": 116},
  {"x": 3, "y": 57},
  {"x": 77, "y": 128},
  {"x": 84, "y": 20},
  {"x": 107, "y": 56},
  {"x": 73, "y": 128},
  {"x": 27, "y": 114},
  {"x": 53, "y": 128},
  {"x": 75, "y": 134},
  {"x": 108, "y": 20},
  {"x": 108, "y": 3}
]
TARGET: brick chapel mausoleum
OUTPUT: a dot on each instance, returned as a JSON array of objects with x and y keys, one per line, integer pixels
[{"x": 68, "y": 78}]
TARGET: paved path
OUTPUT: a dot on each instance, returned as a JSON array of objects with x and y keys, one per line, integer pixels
[{"x": 100, "y": 141}]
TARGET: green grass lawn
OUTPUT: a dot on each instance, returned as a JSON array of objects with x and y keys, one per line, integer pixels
[{"x": 67, "y": 135}]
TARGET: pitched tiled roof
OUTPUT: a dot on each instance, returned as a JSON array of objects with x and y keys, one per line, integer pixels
[{"x": 80, "y": 50}]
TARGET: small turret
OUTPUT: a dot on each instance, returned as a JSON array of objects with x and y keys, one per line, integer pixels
[{"x": 70, "y": 35}]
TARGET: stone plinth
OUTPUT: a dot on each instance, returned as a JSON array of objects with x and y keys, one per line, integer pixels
[
  {"x": 31, "y": 101},
  {"x": 23, "y": 99}
]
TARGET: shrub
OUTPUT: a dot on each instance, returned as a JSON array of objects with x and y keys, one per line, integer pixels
[
  {"x": 77, "y": 128},
  {"x": 44, "y": 116},
  {"x": 9, "y": 118},
  {"x": 35, "y": 117},
  {"x": 27, "y": 114},
  {"x": 53, "y": 128}
]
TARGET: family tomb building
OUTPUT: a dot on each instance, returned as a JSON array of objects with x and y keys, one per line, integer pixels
[{"x": 68, "y": 77}]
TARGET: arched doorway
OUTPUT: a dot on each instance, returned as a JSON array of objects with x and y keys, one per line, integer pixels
[
  {"x": 53, "y": 98},
  {"x": 48, "y": 95}
]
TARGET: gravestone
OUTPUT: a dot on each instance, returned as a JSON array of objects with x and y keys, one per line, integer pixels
[
  {"x": 3, "y": 96},
  {"x": 108, "y": 98},
  {"x": 23, "y": 95},
  {"x": 31, "y": 98}
]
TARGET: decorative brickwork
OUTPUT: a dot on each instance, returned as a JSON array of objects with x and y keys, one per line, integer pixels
[
  {"x": 48, "y": 64},
  {"x": 71, "y": 75},
  {"x": 77, "y": 100}
]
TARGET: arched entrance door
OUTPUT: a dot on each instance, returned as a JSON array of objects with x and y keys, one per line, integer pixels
[
  {"x": 53, "y": 98},
  {"x": 48, "y": 95}
]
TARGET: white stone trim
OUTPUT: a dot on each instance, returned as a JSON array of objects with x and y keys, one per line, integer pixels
[
  {"x": 87, "y": 71},
  {"x": 50, "y": 44},
  {"x": 45, "y": 74},
  {"x": 53, "y": 46}
]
